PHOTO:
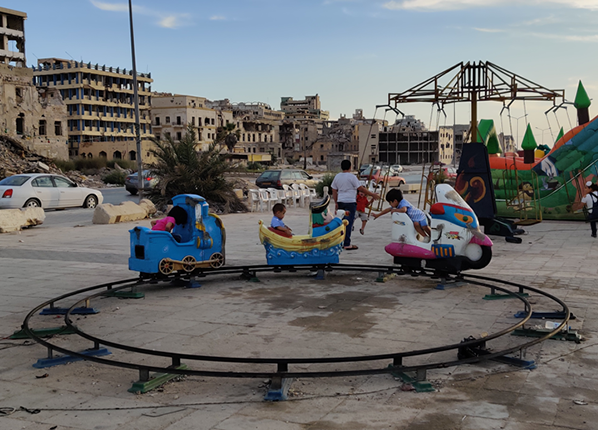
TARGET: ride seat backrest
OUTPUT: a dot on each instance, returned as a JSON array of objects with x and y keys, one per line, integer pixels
[
  {"x": 186, "y": 230},
  {"x": 279, "y": 232}
]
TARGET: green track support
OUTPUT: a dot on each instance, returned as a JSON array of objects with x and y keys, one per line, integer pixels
[
  {"x": 504, "y": 296},
  {"x": 43, "y": 332},
  {"x": 156, "y": 380},
  {"x": 570, "y": 335},
  {"x": 125, "y": 294},
  {"x": 418, "y": 382}
]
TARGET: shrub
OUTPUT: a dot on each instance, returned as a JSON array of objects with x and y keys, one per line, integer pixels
[
  {"x": 253, "y": 166},
  {"x": 125, "y": 164},
  {"x": 115, "y": 177},
  {"x": 90, "y": 163},
  {"x": 65, "y": 165},
  {"x": 325, "y": 182}
]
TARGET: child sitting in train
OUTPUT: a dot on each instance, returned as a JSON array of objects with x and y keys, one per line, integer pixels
[
  {"x": 398, "y": 204},
  {"x": 177, "y": 215},
  {"x": 279, "y": 210}
]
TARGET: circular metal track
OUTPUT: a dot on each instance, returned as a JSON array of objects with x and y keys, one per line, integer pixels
[{"x": 282, "y": 364}]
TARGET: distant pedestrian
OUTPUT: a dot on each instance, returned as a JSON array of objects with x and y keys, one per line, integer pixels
[
  {"x": 591, "y": 202},
  {"x": 344, "y": 192}
]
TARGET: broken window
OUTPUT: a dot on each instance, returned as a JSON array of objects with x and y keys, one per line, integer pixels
[
  {"x": 178, "y": 135},
  {"x": 117, "y": 155},
  {"x": 42, "y": 127},
  {"x": 192, "y": 120},
  {"x": 167, "y": 120},
  {"x": 178, "y": 120},
  {"x": 158, "y": 120},
  {"x": 19, "y": 94},
  {"x": 20, "y": 123},
  {"x": 103, "y": 154},
  {"x": 132, "y": 156}
]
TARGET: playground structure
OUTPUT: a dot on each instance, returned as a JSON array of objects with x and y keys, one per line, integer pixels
[{"x": 531, "y": 185}]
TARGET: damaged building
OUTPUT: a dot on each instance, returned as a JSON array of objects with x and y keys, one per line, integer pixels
[
  {"x": 257, "y": 127},
  {"x": 100, "y": 107},
  {"x": 173, "y": 114},
  {"x": 36, "y": 117}
]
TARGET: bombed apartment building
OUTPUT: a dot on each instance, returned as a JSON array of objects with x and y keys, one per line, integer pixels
[
  {"x": 257, "y": 127},
  {"x": 408, "y": 141},
  {"x": 36, "y": 117},
  {"x": 100, "y": 107},
  {"x": 173, "y": 114}
]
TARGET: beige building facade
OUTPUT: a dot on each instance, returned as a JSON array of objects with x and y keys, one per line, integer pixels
[
  {"x": 100, "y": 106},
  {"x": 172, "y": 114}
]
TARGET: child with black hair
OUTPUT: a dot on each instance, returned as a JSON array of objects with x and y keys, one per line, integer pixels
[
  {"x": 398, "y": 204},
  {"x": 279, "y": 210},
  {"x": 177, "y": 215}
]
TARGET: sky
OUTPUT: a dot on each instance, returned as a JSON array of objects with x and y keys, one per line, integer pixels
[{"x": 353, "y": 53}]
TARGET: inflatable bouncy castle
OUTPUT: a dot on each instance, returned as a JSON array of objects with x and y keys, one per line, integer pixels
[{"x": 548, "y": 184}]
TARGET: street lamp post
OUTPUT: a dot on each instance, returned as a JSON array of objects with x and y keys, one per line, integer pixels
[
  {"x": 517, "y": 119},
  {"x": 140, "y": 179}
]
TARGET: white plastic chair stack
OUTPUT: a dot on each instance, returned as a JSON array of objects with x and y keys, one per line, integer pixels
[
  {"x": 265, "y": 199},
  {"x": 274, "y": 197},
  {"x": 254, "y": 201},
  {"x": 301, "y": 194},
  {"x": 289, "y": 195}
]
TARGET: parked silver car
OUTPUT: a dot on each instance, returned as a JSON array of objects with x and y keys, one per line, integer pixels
[
  {"x": 132, "y": 182},
  {"x": 47, "y": 191}
]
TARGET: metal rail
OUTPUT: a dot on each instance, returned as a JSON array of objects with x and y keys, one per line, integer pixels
[{"x": 282, "y": 364}]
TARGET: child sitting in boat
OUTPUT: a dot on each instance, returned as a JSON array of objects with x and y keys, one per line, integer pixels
[
  {"x": 398, "y": 204},
  {"x": 279, "y": 210}
]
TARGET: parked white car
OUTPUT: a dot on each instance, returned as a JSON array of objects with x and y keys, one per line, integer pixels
[{"x": 47, "y": 191}]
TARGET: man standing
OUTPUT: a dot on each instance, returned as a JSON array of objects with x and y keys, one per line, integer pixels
[{"x": 344, "y": 192}]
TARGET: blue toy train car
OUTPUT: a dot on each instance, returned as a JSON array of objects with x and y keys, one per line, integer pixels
[{"x": 201, "y": 243}]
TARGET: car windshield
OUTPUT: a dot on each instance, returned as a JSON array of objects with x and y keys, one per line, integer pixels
[
  {"x": 16, "y": 181},
  {"x": 269, "y": 175}
]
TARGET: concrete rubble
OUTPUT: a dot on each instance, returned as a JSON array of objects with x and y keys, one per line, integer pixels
[{"x": 18, "y": 219}]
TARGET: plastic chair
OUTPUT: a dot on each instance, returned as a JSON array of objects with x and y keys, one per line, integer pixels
[
  {"x": 265, "y": 199},
  {"x": 275, "y": 196},
  {"x": 254, "y": 201},
  {"x": 289, "y": 195},
  {"x": 301, "y": 194}
]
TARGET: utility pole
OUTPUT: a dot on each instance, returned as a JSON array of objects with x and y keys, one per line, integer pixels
[{"x": 140, "y": 178}]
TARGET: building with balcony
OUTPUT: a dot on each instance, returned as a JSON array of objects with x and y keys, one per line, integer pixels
[
  {"x": 101, "y": 107},
  {"x": 172, "y": 114},
  {"x": 309, "y": 108}
]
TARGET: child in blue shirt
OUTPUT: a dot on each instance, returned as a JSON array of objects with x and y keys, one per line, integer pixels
[
  {"x": 279, "y": 210},
  {"x": 398, "y": 204}
]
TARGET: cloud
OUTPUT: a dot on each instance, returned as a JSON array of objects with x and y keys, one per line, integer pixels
[
  {"x": 217, "y": 18},
  {"x": 110, "y": 6},
  {"x": 435, "y": 5},
  {"x": 489, "y": 30},
  {"x": 164, "y": 20}
]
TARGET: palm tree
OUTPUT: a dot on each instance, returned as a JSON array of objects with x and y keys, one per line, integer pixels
[
  {"x": 182, "y": 170},
  {"x": 228, "y": 135}
]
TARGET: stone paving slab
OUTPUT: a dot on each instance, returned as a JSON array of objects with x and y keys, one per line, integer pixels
[{"x": 347, "y": 314}]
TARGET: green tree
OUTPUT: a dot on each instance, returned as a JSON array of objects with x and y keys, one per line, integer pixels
[{"x": 183, "y": 170}]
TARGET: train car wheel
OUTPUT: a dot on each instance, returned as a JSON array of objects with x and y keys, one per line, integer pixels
[
  {"x": 189, "y": 263},
  {"x": 166, "y": 266},
  {"x": 217, "y": 260},
  {"x": 478, "y": 256}
]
